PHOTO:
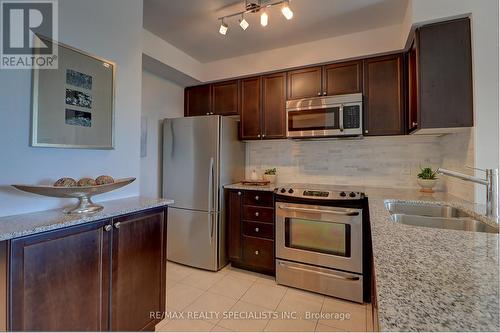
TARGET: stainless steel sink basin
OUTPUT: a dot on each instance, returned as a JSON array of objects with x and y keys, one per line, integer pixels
[
  {"x": 429, "y": 210},
  {"x": 465, "y": 224},
  {"x": 435, "y": 216}
]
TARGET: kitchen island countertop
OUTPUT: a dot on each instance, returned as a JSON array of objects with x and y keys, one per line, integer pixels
[
  {"x": 430, "y": 279},
  {"x": 31, "y": 223}
]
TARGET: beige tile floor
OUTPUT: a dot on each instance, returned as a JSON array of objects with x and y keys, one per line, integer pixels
[{"x": 239, "y": 300}]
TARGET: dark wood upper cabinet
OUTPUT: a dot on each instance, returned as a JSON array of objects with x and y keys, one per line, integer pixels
[
  {"x": 303, "y": 83},
  {"x": 343, "y": 78},
  {"x": 138, "y": 273},
  {"x": 198, "y": 100},
  {"x": 250, "y": 124},
  {"x": 225, "y": 98},
  {"x": 273, "y": 106},
  {"x": 383, "y": 112},
  {"x": 412, "y": 88},
  {"x": 234, "y": 225},
  {"x": 443, "y": 75},
  {"x": 59, "y": 280}
]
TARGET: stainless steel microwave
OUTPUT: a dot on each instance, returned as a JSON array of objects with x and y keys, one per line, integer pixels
[{"x": 328, "y": 116}]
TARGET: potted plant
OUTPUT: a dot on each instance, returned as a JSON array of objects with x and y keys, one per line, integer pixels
[
  {"x": 427, "y": 179},
  {"x": 270, "y": 175}
]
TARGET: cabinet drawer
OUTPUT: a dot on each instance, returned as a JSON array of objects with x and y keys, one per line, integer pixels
[
  {"x": 257, "y": 213},
  {"x": 258, "y": 252},
  {"x": 256, "y": 229},
  {"x": 258, "y": 198}
]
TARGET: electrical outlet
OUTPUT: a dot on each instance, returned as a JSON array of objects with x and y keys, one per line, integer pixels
[{"x": 406, "y": 168}]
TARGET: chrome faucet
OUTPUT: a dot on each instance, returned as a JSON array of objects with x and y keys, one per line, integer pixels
[{"x": 491, "y": 183}]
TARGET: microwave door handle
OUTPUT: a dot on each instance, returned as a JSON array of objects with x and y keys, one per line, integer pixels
[
  {"x": 341, "y": 117},
  {"x": 311, "y": 210}
]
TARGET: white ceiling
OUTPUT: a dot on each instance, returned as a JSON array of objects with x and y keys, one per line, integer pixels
[{"x": 192, "y": 25}]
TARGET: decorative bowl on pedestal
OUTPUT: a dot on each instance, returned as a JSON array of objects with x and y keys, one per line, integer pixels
[{"x": 82, "y": 193}]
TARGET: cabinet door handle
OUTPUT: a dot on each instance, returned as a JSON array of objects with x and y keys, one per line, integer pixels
[
  {"x": 366, "y": 131},
  {"x": 256, "y": 252},
  {"x": 239, "y": 193},
  {"x": 414, "y": 124},
  {"x": 258, "y": 135},
  {"x": 256, "y": 214},
  {"x": 319, "y": 94},
  {"x": 257, "y": 197},
  {"x": 208, "y": 113},
  {"x": 256, "y": 229},
  {"x": 324, "y": 93},
  {"x": 118, "y": 225},
  {"x": 107, "y": 227},
  {"x": 263, "y": 135}
]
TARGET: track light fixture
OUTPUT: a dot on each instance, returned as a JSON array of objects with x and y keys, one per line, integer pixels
[
  {"x": 264, "y": 19},
  {"x": 255, "y": 6},
  {"x": 243, "y": 23},
  {"x": 223, "y": 27},
  {"x": 286, "y": 11}
]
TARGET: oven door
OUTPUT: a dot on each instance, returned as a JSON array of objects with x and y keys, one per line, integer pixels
[{"x": 319, "y": 235}]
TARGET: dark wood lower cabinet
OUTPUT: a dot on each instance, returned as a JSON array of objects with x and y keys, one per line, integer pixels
[
  {"x": 64, "y": 280},
  {"x": 138, "y": 270},
  {"x": 250, "y": 230},
  {"x": 59, "y": 281}
]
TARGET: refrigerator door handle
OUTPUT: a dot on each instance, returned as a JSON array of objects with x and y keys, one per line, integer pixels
[
  {"x": 211, "y": 200},
  {"x": 211, "y": 186}
]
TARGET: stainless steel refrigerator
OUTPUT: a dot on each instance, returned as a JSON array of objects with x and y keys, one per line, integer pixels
[{"x": 200, "y": 156}]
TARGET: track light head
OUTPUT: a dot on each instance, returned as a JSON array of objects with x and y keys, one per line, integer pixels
[
  {"x": 286, "y": 11},
  {"x": 264, "y": 19},
  {"x": 223, "y": 28},
  {"x": 243, "y": 23}
]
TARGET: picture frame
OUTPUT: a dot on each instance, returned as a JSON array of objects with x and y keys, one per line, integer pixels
[{"x": 73, "y": 106}]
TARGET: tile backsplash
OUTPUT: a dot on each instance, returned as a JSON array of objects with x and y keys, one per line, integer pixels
[{"x": 379, "y": 161}]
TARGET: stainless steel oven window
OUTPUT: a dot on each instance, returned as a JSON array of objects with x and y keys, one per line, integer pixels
[{"x": 318, "y": 236}]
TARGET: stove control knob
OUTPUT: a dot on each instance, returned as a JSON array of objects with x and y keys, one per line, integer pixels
[
  {"x": 282, "y": 190},
  {"x": 343, "y": 194},
  {"x": 290, "y": 191},
  {"x": 352, "y": 194}
]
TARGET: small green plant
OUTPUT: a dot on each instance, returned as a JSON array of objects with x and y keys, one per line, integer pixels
[
  {"x": 271, "y": 172},
  {"x": 427, "y": 173}
]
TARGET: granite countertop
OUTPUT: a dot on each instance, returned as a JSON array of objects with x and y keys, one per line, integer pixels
[
  {"x": 240, "y": 186},
  {"x": 433, "y": 279},
  {"x": 430, "y": 279},
  {"x": 26, "y": 224}
]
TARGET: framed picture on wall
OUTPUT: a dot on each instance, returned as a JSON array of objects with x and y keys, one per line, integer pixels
[{"x": 73, "y": 105}]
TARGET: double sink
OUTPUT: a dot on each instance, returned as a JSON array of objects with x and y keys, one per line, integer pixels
[{"x": 435, "y": 216}]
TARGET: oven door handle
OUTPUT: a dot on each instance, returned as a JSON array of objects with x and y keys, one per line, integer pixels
[
  {"x": 311, "y": 210},
  {"x": 335, "y": 276}
]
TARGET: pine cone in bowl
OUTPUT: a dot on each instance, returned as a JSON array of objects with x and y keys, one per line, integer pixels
[
  {"x": 103, "y": 180},
  {"x": 65, "y": 182},
  {"x": 86, "y": 182}
]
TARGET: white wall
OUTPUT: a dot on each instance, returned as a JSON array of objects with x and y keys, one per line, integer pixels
[
  {"x": 484, "y": 17},
  {"x": 358, "y": 44},
  {"x": 160, "y": 99},
  {"x": 111, "y": 29}
]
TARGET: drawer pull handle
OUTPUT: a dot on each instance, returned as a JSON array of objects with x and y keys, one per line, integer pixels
[
  {"x": 257, "y": 197},
  {"x": 257, "y": 214},
  {"x": 256, "y": 229},
  {"x": 257, "y": 252}
]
